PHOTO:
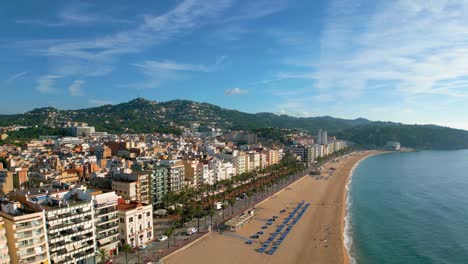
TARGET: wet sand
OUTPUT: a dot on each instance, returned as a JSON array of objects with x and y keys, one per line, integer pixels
[{"x": 316, "y": 238}]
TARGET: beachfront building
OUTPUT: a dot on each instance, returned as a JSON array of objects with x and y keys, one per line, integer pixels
[
  {"x": 4, "y": 257},
  {"x": 70, "y": 226},
  {"x": 25, "y": 232},
  {"x": 159, "y": 184},
  {"x": 135, "y": 223},
  {"x": 106, "y": 222},
  {"x": 239, "y": 162},
  {"x": 176, "y": 174}
]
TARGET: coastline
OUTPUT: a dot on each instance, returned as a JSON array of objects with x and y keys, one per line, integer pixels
[
  {"x": 347, "y": 258},
  {"x": 317, "y": 238}
]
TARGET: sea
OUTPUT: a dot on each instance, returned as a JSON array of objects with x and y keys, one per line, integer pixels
[{"x": 409, "y": 208}]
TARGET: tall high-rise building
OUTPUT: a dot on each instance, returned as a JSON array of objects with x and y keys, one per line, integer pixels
[{"x": 322, "y": 137}]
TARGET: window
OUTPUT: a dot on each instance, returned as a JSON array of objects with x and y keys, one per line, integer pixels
[
  {"x": 139, "y": 217},
  {"x": 149, "y": 235},
  {"x": 130, "y": 219},
  {"x": 148, "y": 214},
  {"x": 121, "y": 220}
]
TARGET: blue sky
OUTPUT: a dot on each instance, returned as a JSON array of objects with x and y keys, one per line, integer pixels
[{"x": 404, "y": 61}]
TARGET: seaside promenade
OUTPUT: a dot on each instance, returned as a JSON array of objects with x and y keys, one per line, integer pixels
[{"x": 316, "y": 237}]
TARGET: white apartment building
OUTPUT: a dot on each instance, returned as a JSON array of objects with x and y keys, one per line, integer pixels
[
  {"x": 106, "y": 221},
  {"x": 135, "y": 223}
]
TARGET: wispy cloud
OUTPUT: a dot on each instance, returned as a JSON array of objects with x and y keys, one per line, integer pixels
[
  {"x": 415, "y": 45},
  {"x": 46, "y": 83},
  {"x": 235, "y": 91},
  {"x": 235, "y": 25},
  {"x": 14, "y": 77},
  {"x": 75, "y": 88},
  {"x": 98, "y": 102},
  {"x": 160, "y": 71},
  {"x": 187, "y": 15},
  {"x": 89, "y": 57},
  {"x": 74, "y": 15}
]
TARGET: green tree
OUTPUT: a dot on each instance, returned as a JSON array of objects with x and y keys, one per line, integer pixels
[
  {"x": 126, "y": 248},
  {"x": 103, "y": 255},
  {"x": 231, "y": 202},
  {"x": 211, "y": 213},
  {"x": 169, "y": 232}
]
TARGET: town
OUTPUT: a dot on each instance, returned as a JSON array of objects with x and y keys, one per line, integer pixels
[{"x": 95, "y": 197}]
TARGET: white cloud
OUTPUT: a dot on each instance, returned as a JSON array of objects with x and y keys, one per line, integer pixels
[
  {"x": 75, "y": 88},
  {"x": 74, "y": 15},
  {"x": 13, "y": 77},
  {"x": 98, "y": 102},
  {"x": 415, "y": 45},
  {"x": 100, "y": 53},
  {"x": 160, "y": 71},
  {"x": 235, "y": 91},
  {"x": 185, "y": 16},
  {"x": 151, "y": 66},
  {"x": 46, "y": 83}
]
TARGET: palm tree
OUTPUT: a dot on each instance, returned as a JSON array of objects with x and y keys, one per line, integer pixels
[
  {"x": 231, "y": 203},
  {"x": 103, "y": 255},
  {"x": 126, "y": 248},
  {"x": 169, "y": 232},
  {"x": 198, "y": 212},
  {"x": 223, "y": 206},
  {"x": 211, "y": 213}
]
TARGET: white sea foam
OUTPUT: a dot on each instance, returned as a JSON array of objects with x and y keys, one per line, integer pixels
[{"x": 347, "y": 232}]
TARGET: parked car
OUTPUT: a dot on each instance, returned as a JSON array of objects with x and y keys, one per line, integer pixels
[
  {"x": 162, "y": 238},
  {"x": 141, "y": 247},
  {"x": 191, "y": 231},
  {"x": 218, "y": 205}
]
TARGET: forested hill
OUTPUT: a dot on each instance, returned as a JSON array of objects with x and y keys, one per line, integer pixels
[{"x": 141, "y": 115}]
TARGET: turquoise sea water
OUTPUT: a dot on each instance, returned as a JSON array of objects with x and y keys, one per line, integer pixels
[{"x": 410, "y": 208}]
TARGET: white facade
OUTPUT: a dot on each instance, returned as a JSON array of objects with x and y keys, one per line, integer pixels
[{"x": 135, "y": 223}]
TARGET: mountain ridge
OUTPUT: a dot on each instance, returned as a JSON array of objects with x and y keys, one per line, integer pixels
[{"x": 145, "y": 116}]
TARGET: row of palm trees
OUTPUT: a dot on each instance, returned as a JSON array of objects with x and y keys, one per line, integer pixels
[{"x": 197, "y": 203}]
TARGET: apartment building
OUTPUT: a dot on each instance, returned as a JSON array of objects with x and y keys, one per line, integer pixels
[
  {"x": 70, "y": 227},
  {"x": 239, "y": 162},
  {"x": 176, "y": 174},
  {"x": 126, "y": 189},
  {"x": 25, "y": 231},
  {"x": 159, "y": 185},
  {"x": 6, "y": 182},
  {"x": 135, "y": 223},
  {"x": 132, "y": 186},
  {"x": 106, "y": 222},
  {"x": 4, "y": 257}
]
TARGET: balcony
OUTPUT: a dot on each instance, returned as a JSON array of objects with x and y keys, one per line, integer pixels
[
  {"x": 25, "y": 244},
  {"x": 36, "y": 259},
  {"x": 29, "y": 225},
  {"x": 106, "y": 211},
  {"x": 108, "y": 240},
  {"x": 70, "y": 223},
  {"x": 28, "y": 235}
]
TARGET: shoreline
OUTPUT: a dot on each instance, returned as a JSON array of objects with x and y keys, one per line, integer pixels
[
  {"x": 347, "y": 258},
  {"x": 317, "y": 238}
]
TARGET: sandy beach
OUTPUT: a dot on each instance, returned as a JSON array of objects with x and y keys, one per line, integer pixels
[{"x": 317, "y": 237}]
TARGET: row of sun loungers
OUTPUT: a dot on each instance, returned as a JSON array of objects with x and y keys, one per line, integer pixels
[{"x": 287, "y": 225}]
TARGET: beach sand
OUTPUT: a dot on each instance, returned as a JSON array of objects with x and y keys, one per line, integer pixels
[{"x": 316, "y": 238}]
